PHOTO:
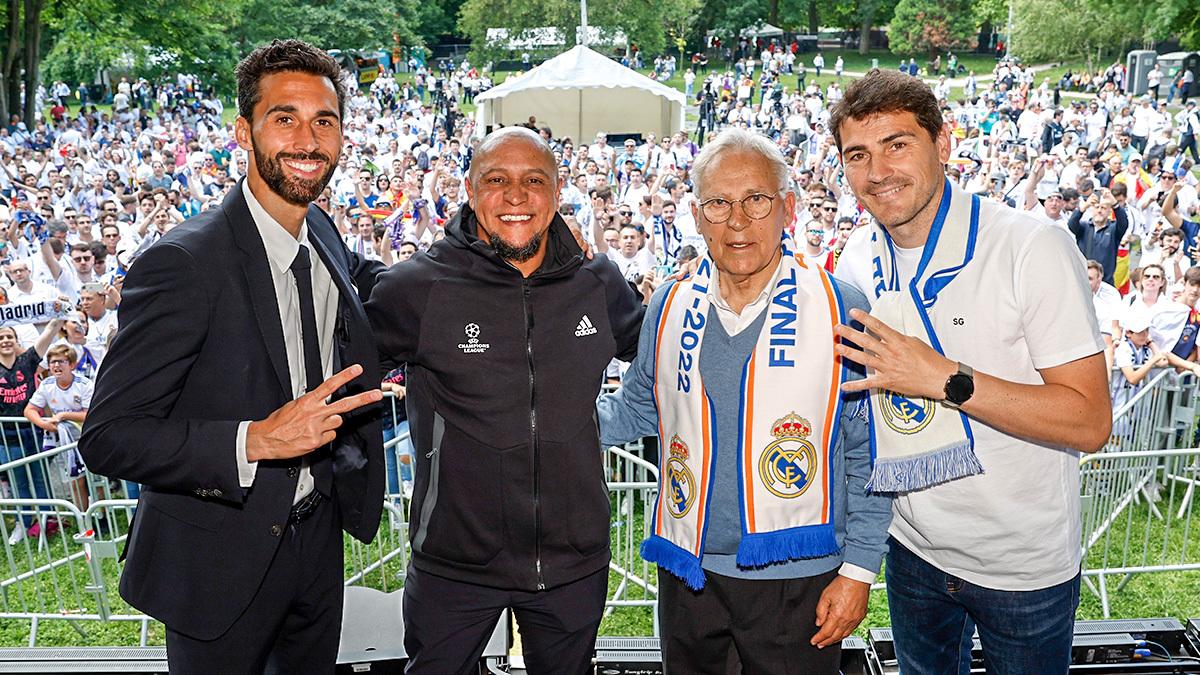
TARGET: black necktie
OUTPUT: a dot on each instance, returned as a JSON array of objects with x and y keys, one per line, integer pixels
[{"x": 314, "y": 371}]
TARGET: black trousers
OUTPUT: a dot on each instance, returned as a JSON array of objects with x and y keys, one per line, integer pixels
[
  {"x": 447, "y": 624},
  {"x": 294, "y": 622},
  {"x": 755, "y": 627}
]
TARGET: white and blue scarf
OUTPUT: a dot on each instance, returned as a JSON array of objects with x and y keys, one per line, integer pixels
[
  {"x": 670, "y": 243},
  {"x": 918, "y": 442},
  {"x": 790, "y": 406}
]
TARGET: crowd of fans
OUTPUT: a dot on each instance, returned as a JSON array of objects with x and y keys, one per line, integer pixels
[{"x": 84, "y": 191}]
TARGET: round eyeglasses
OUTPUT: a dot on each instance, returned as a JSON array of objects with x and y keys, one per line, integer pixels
[{"x": 756, "y": 207}]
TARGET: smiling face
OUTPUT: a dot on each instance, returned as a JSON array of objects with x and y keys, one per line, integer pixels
[
  {"x": 896, "y": 171},
  {"x": 8, "y": 342},
  {"x": 514, "y": 191},
  {"x": 295, "y": 138},
  {"x": 1152, "y": 280}
]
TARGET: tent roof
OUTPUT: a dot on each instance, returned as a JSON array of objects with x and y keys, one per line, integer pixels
[
  {"x": 763, "y": 30},
  {"x": 581, "y": 68}
]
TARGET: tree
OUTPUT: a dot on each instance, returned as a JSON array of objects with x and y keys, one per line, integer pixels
[
  {"x": 1066, "y": 29},
  {"x": 1176, "y": 17},
  {"x": 728, "y": 17},
  {"x": 859, "y": 16},
  {"x": 76, "y": 39},
  {"x": 930, "y": 26},
  {"x": 147, "y": 38},
  {"x": 10, "y": 84},
  {"x": 992, "y": 13}
]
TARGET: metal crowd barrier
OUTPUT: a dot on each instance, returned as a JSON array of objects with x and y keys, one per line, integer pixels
[
  {"x": 1137, "y": 493},
  {"x": 633, "y": 491},
  {"x": 1137, "y": 499},
  {"x": 61, "y": 528},
  {"x": 69, "y": 571},
  {"x": 1150, "y": 526}
]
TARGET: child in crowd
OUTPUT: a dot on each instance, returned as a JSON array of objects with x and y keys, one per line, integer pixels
[{"x": 59, "y": 407}]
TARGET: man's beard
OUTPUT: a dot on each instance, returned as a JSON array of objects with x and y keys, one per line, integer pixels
[
  {"x": 516, "y": 254},
  {"x": 296, "y": 191}
]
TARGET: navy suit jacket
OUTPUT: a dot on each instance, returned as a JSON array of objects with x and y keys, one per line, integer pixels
[{"x": 199, "y": 348}]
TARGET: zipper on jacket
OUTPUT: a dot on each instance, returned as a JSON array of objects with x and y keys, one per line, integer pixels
[{"x": 537, "y": 508}]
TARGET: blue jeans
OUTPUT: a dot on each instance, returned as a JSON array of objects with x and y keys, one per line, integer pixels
[
  {"x": 403, "y": 472},
  {"x": 28, "y": 482},
  {"x": 934, "y": 615}
]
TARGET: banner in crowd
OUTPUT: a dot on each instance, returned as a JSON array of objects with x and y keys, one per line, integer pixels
[{"x": 38, "y": 311}]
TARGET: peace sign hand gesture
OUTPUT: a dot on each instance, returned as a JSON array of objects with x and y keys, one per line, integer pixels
[{"x": 298, "y": 427}]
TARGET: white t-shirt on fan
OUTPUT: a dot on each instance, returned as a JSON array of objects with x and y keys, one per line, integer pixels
[
  {"x": 1021, "y": 304},
  {"x": 642, "y": 262}
]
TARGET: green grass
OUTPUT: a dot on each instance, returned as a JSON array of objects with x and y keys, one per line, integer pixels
[{"x": 1173, "y": 594}]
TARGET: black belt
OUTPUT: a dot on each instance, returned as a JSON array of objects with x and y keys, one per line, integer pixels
[{"x": 303, "y": 509}]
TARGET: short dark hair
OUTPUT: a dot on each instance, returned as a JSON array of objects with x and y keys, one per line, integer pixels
[
  {"x": 284, "y": 56},
  {"x": 1192, "y": 276},
  {"x": 1173, "y": 232},
  {"x": 887, "y": 91}
]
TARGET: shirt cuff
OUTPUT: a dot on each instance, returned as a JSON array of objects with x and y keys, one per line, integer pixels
[
  {"x": 246, "y": 468},
  {"x": 847, "y": 570}
]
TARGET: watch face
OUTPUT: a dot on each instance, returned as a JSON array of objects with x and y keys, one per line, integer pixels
[{"x": 959, "y": 388}]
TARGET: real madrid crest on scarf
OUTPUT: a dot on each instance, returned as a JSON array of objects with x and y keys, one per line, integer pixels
[
  {"x": 790, "y": 407},
  {"x": 681, "y": 484},
  {"x": 905, "y": 415},
  {"x": 918, "y": 442},
  {"x": 788, "y": 464}
]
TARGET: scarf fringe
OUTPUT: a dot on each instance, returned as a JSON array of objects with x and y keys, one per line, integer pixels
[
  {"x": 675, "y": 560},
  {"x": 915, "y": 472},
  {"x": 796, "y": 543}
]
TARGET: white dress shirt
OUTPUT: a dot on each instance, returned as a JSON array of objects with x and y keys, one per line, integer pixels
[{"x": 281, "y": 251}]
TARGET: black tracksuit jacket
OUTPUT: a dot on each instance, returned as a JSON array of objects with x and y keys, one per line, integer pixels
[{"x": 503, "y": 375}]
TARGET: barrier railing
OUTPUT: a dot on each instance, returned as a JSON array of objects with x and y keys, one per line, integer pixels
[
  {"x": 1150, "y": 524},
  {"x": 633, "y": 490},
  {"x": 1126, "y": 528},
  {"x": 1137, "y": 497},
  {"x": 1140, "y": 422},
  {"x": 67, "y": 568}
]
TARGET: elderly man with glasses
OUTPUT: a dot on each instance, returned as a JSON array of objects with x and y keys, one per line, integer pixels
[{"x": 766, "y": 538}]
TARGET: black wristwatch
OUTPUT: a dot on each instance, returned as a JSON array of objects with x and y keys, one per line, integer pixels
[{"x": 959, "y": 386}]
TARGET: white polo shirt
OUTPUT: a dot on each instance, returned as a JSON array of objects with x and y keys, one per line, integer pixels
[{"x": 1021, "y": 304}]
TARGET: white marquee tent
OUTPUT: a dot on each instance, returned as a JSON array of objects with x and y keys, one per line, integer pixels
[{"x": 581, "y": 92}]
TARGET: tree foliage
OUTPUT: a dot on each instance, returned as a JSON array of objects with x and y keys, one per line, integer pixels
[
  {"x": 155, "y": 37},
  {"x": 150, "y": 37},
  {"x": 990, "y": 12},
  {"x": 928, "y": 26},
  {"x": 1176, "y": 17},
  {"x": 1072, "y": 29}
]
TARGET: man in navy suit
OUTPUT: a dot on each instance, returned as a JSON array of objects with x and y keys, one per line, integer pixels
[{"x": 237, "y": 392}]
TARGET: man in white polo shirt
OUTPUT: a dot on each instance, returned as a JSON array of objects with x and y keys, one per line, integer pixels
[{"x": 1011, "y": 390}]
